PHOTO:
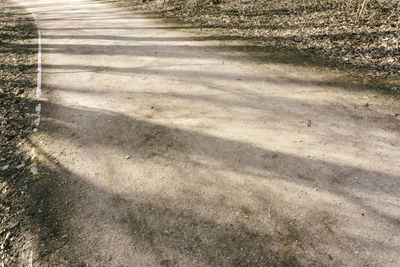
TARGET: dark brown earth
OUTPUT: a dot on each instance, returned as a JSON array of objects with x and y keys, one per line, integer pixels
[{"x": 17, "y": 107}]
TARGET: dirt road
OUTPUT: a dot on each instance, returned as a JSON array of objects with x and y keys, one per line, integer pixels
[{"x": 163, "y": 147}]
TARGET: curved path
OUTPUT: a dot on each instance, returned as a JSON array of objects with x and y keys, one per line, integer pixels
[{"x": 162, "y": 146}]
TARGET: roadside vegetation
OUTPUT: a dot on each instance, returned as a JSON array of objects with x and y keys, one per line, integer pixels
[{"x": 361, "y": 36}]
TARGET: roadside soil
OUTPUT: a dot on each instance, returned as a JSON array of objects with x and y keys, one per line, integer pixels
[
  {"x": 164, "y": 146},
  {"x": 18, "y": 67}
]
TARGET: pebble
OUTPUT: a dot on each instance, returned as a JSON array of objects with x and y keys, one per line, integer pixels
[
  {"x": 5, "y": 167},
  {"x": 20, "y": 166}
]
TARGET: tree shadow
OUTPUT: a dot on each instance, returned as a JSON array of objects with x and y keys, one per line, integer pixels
[
  {"x": 170, "y": 233},
  {"x": 147, "y": 140},
  {"x": 227, "y": 48},
  {"x": 161, "y": 231},
  {"x": 346, "y": 49}
]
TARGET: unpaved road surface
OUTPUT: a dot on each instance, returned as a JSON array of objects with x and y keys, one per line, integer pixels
[{"x": 165, "y": 147}]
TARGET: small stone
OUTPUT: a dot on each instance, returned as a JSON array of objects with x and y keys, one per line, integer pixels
[
  {"x": 127, "y": 156},
  {"x": 34, "y": 169},
  {"x": 309, "y": 123},
  {"x": 5, "y": 167},
  {"x": 20, "y": 166}
]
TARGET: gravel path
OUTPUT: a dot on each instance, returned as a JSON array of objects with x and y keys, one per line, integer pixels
[{"x": 163, "y": 146}]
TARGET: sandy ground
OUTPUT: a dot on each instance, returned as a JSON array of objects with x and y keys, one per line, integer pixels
[{"x": 163, "y": 146}]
